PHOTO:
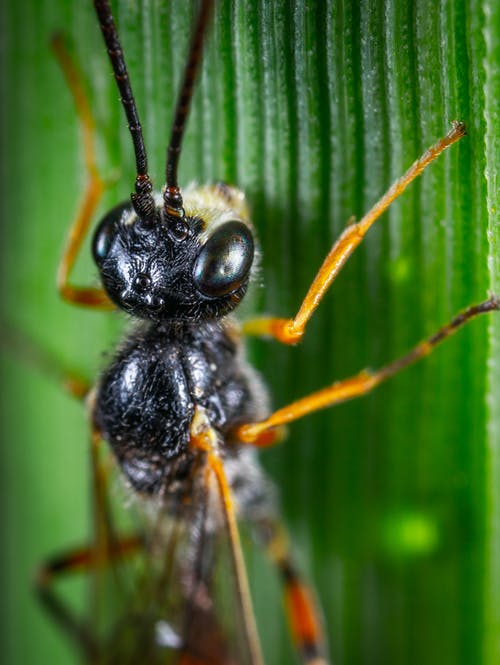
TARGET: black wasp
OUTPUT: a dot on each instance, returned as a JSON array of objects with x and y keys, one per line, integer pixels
[{"x": 182, "y": 410}]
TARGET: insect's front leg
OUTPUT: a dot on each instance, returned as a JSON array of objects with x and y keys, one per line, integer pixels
[
  {"x": 92, "y": 297},
  {"x": 291, "y": 331}
]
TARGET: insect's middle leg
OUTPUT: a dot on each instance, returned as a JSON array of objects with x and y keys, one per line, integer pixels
[
  {"x": 291, "y": 331},
  {"x": 361, "y": 383}
]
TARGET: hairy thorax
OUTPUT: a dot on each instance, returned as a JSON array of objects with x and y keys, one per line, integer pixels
[{"x": 146, "y": 399}]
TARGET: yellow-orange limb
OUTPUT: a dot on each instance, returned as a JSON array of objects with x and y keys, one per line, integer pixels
[
  {"x": 92, "y": 297},
  {"x": 303, "y": 617},
  {"x": 303, "y": 622},
  {"x": 204, "y": 438},
  {"x": 363, "y": 382},
  {"x": 290, "y": 331}
]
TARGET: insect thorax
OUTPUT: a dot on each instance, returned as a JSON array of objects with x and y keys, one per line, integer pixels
[{"x": 146, "y": 399}]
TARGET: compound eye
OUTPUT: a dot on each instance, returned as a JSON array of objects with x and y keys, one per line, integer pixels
[
  {"x": 103, "y": 239},
  {"x": 106, "y": 232},
  {"x": 225, "y": 260}
]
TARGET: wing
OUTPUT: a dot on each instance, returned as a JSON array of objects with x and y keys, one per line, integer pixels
[
  {"x": 184, "y": 597},
  {"x": 220, "y": 626}
]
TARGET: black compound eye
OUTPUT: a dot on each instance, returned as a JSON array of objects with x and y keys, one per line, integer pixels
[
  {"x": 225, "y": 260},
  {"x": 142, "y": 282},
  {"x": 106, "y": 231},
  {"x": 103, "y": 239}
]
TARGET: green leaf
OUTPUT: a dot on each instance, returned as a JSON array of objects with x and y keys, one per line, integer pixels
[{"x": 313, "y": 109}]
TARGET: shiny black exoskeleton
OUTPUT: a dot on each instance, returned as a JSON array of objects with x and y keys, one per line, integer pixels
[
  {"x": 147, "y": 398},
  {"x": 154, "y": 270},
  {"x": 184, "y": 356}
]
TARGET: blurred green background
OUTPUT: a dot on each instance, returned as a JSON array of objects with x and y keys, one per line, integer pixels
[{"x": 313, "y": 108}]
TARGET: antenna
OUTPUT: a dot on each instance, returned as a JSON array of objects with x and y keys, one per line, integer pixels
[
  {"x": 142, "y": 199},
  {"x": 172, "y": 196}
]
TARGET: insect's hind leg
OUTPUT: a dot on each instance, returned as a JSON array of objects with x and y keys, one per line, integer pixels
[
  {"x": 92, "y": 297},
  {"x": 302, "y": 612}
]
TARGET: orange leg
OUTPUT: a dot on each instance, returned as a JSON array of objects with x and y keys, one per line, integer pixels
[
  {"x": 290, "y": 331},
  {"x": 303, "y": 616},
  {"x": 85, "y": 296},
  {"x": 204, "y": 438},
  {"x": 360, "y": 384}
]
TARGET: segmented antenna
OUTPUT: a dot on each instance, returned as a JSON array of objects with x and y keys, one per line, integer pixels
[
  {"x": 172, "y": 196},
  {"x": 142, "y": 199}
]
